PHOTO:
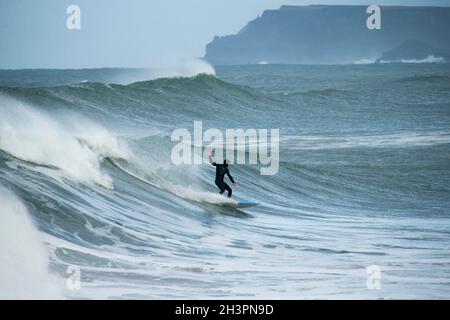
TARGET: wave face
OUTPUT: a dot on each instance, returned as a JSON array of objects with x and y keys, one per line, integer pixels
[{"x": 364, "y": 180}]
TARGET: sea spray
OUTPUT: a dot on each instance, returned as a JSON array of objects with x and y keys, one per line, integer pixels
[
  {"x": 34, "y": 136},
  {"x": 23, "y": 259}
]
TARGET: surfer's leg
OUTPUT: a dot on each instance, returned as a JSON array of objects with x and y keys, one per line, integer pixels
[
  {"x": 221, "y": 187},
  {"x": 227, "y": 187}
]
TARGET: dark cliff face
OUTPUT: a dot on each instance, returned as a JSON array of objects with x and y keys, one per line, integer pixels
[{"x": 329, "y": 34}]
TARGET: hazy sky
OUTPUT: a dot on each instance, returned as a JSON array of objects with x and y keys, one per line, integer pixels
[{"x": 128, "y": 33}]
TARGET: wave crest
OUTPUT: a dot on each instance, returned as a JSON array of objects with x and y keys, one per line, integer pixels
[{"x": 36, "y": 137}]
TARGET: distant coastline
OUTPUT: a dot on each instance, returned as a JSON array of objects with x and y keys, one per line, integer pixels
[{"x": 336, "y": 34}]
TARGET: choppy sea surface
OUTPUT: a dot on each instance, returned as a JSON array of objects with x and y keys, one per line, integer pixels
[{"x": 87, "y": 186}]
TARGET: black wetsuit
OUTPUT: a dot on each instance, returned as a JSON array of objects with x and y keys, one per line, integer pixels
[{"x": 221, "y": 170}]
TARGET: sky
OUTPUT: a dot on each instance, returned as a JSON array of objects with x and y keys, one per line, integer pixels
[{"x": 129, "y": 33}]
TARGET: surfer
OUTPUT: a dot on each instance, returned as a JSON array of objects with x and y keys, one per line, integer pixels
[{"x": 221, "y": 170}]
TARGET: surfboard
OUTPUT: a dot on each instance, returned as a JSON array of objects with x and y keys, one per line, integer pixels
[{"x": 242, "y": 204}]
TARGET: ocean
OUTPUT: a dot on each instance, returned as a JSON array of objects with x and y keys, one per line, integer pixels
[{"x": 92, "y": 207}]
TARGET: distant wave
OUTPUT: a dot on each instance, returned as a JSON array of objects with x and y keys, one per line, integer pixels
[
  {"x": 148, "y": 100},
  {"x": 57, "y": 77},
  {"x": 444, "y": 79},
  {"x": 407, "y": 139},
  {"x": 365, "y": 61},
  {"x": 185, "y": 68},
  {"x": 170, "y": 83},
  {"x": 429, "y": 59}
]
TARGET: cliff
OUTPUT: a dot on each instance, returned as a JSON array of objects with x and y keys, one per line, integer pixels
[{"x": 325, "y": 34}]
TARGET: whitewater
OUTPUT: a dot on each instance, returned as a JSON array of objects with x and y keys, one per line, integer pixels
[{"x": 86, "y": 183}]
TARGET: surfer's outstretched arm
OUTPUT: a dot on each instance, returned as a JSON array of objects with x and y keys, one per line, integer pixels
[
  {"x": 211, "y": 159},
  {"x": 229, "y": 176}
]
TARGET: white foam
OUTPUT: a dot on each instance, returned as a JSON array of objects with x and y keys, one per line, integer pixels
[
  {"x": 193, "y": 67},
  {"x": 429, "y": 59},
  {"x": 98, "y": 138},
  {"x": 34, "y": 136},
  {"x": 185, "y": 192},
  {"x": 23, "y": 259},
  {"x": 186, "y": 68},
  {"x": 365, "y": 61},
  {"x": 405, "y": 139},
  {"x": 195, "y": 195}
]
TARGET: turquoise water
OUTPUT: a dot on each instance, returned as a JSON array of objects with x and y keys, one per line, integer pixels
[{"x": 364, "y": 180}]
